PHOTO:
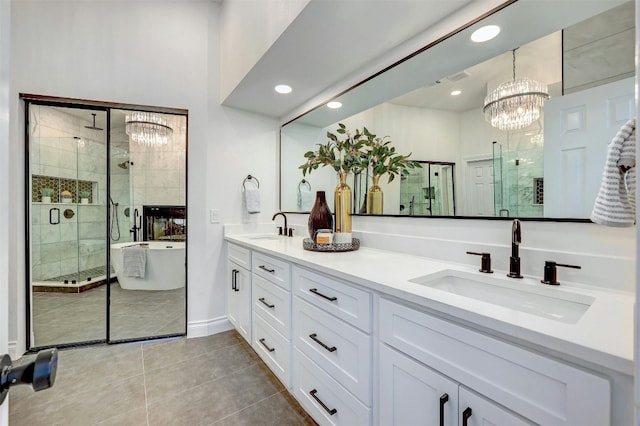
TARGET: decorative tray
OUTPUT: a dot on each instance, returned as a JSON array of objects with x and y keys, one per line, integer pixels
[{"x": 309, "y": 244}]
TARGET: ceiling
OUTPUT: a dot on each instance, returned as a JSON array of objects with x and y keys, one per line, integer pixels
[{"x": 349, "y": 33}]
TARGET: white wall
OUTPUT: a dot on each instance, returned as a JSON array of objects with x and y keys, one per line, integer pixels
[
  {"x": 249, "y": 28},
  {"x": 140, "y": 53},
  {"x": 5, "y": 247}
]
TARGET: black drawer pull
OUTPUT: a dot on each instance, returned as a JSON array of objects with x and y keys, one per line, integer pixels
[
  {"x": 314, "y": 337},
  {"x": 264, "y": 268},
  {"x": 265, "y": 345},
  {"x": 316, "y": 292},
  {"x": 266, "y": 304},
  {"x": 313, "y": 393},
  {"x": 465, "y": 416},
  {"x": 443, "y": 400}
]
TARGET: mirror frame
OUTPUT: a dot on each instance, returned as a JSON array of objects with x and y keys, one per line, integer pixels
[{"x": 382, "y": 71}]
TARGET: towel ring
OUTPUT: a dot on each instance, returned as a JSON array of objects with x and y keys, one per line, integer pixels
[
  {"x": 304, "y": 182},
  {"x": 249, "y": 177}
]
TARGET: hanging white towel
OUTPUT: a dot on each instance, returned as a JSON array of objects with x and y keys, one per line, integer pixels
[
  {"x": 252, "y": 200},
  {"x": 134, "y": 261},
  {"x": 306, "y": 201},
  {"x": 615, "y": 203}
]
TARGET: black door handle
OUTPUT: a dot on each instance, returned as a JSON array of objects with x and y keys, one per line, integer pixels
[
  {"x": 443, "y": 400},
  {"x": 39, "y": 373},
  {"x": 465, "y": 416},
  {"x": 233, "y": 279},
  {"x": 57, "y": 220}
]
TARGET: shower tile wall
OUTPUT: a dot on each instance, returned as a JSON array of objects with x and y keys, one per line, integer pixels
[{"x": 78, "y": 241}]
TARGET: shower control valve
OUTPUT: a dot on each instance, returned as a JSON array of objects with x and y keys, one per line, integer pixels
[{"x": 39, "y": 373}]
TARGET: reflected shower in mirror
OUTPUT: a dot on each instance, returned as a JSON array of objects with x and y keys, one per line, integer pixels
[{"x": 432, "y": 105}]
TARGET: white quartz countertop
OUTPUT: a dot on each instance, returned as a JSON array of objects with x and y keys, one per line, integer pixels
[{"x": 603, "y": 335}]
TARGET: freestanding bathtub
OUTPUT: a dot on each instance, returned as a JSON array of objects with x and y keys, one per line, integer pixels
[{"x": 165, "y": 268}]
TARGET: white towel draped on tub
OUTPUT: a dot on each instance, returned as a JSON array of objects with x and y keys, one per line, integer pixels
[
  {"x": 252, "y": 200},
  {"x": 134, "y": 261},
  {"x": 616, "y": 201}
]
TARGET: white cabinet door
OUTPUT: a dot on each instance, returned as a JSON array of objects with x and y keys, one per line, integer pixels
[
  {"x": 413, "y": 394},
  {"x": 239, "y": 299},
  {"x": 476, "y": 411}
]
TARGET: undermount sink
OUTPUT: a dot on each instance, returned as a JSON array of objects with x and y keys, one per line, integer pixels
[
  {"x": 264, "y": 237},
  {"x": 551, "y": 303}
]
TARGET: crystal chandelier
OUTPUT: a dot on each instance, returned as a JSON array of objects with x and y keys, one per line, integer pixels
[
  {"x": 515, "y": 104},
  {"x": 148, "y": 128}
]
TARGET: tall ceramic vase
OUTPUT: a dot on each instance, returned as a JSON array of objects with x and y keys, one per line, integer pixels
[
  {"x": 320, "y": 216},
  {"x": 342, "y": 197},
  {"x": 374, "y": 197}
]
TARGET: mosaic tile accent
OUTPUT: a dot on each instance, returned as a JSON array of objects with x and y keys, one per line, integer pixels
[
  {"x": 538, "y": 188},
  {"x": 59, "y": 185}
]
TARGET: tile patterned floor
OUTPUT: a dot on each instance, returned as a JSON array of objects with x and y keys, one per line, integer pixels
[
  {"x": 60, "y": 318},
  {"x": 214, "y": 380}
]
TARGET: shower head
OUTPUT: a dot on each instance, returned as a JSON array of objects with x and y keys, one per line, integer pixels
[
  {"x": 94, "y": 124},
  {"x": 124, "y": 165}
]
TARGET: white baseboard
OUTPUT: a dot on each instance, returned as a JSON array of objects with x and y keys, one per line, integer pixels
[
  {"x": 13, "y": 346},
  {"x": 208, "y": 327}
]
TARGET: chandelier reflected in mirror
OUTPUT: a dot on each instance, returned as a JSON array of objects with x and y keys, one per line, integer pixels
[
  {"x": 148, "y": 128},
  {"x": 515, "y": 104}
]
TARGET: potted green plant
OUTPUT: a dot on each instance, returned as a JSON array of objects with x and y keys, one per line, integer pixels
[
  {"x": 46, "y": 194},
  {"x": 84, "y": 196},
  {"x": 345, "y": 154},
  {"x": 382, "y": 158}
]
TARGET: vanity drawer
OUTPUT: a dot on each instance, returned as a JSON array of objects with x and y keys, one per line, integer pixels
[
  {"x": 539, "y": 388},
  {"x": 273, "y": 348},
  {"x": 240, "y": 255},
  {"x": 324, "y": 398},
  {"x": 273, "y": 303},
  {"x": 336, "y": 297},
  {"x": 272, "y": 269},
  {"x": 343, "y": 351}
]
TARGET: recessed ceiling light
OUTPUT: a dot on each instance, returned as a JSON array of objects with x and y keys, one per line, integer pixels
[
  {"x": 485, "y": 33},
  {"x": 456, "y": 92},
  {"x": 334, "y": 104},
  {"x": 283, "y": 88}
]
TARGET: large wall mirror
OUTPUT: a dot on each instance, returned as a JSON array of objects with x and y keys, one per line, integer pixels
[{"x": 432, "y": 106}]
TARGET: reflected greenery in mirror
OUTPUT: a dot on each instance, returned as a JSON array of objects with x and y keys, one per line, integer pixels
[{"x": 432, "y": 106}]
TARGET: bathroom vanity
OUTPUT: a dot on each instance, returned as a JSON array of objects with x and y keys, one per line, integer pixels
[{"x": 374, "y": 337}]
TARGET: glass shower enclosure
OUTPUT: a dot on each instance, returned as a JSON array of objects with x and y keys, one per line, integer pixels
[
  {"x": 429, "y": 190},
  {"x": 87, "y": 183}
]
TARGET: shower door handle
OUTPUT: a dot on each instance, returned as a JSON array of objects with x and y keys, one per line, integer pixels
[{"x": 57, "y": 216}]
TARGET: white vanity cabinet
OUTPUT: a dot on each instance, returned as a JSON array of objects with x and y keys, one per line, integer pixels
[
  {"x": 332, "y": 376},
  {"x": 239, "y": 289},
  {"x": 490, "y": 374},
  {"x": 271, "y": 308}
]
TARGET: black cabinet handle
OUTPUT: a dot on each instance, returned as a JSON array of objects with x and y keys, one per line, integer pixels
[
  {"x": 265, "y": 346},
  {"x": 234, "y": 280},
  {"x": 443, "y": 400},
  {"x": 331, "y": 412},
  {"x": 314, "y": 337},
  {"x": 57, "y": 220},
  {"x": 266, "y": 304},
  {"x": 316, "y": 292},
  {"x": 264, "y": 268},
  {"x": 465, "y": 416}
]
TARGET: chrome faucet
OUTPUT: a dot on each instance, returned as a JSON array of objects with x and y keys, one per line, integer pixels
[
  {"x": 516, "y": 240},
  {"x": 286, "y": 231}
]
